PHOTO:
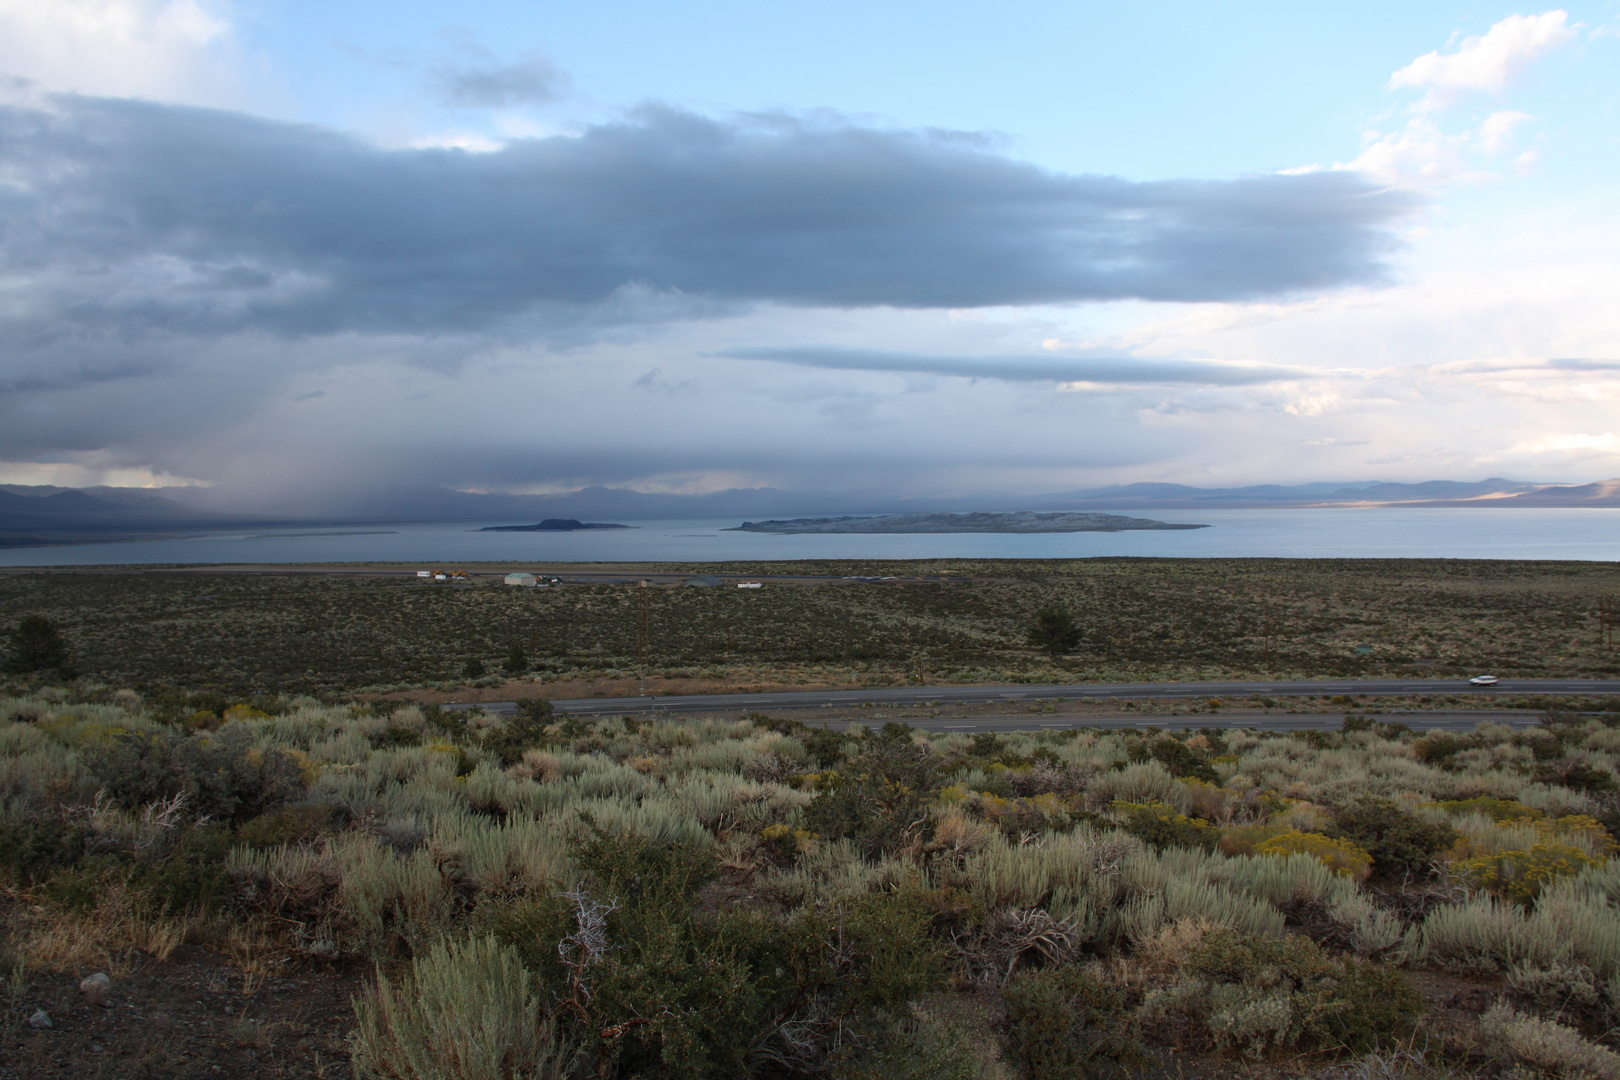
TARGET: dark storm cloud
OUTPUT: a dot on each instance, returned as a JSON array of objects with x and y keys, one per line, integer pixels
[
  {"x": 131, "y": 217},
  {"x": 1027, "y": 368}
]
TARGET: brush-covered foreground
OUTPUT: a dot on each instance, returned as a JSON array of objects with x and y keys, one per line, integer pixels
[
  {"x": 548, "y": 898},
  {"x": 1138, "y": 620}
]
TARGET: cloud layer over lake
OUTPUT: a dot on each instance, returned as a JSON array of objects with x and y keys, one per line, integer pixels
[
  {"x": 138, "y": 216},
  {"x": 497, "y": 260}
]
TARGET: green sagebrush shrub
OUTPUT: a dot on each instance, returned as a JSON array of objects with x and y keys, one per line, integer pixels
[
  {"x": 924, "y": 1047},
  {"x": 522, "y": 731},
  {"x": 652, "y": 984},
  {"x": 302, "y": 824},
  {"x": 1548, "y": 1048},
  {"x": 186, "y": 871},
  {"x": 1567, "y": 924},
  {"x": 34, "y": 845},
  {"x": 879, "y": 799},
  {"x": 1253, "y": 994},
  {"x": 1398, "y": 841},
  {"x": 464, "y": 1011},
  {"x": 1163, "y": 826},
  {"x": 1495, "y": 809},
  {"x": 223, "y": 777},
  {"x": 641, "y": 876},
  {"x": 1064, "y": 1024},
  {"x": 1182, "y": 760}
]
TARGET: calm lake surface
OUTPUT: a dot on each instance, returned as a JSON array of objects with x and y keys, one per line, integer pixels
[{"x": 1592, "y": 534}]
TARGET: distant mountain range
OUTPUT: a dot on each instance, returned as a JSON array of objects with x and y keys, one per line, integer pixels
[
  {"x": 619, "y": 503},
  {"x": 1023, "y": 521},
  {"x": 52, "y": 515},
  {"x": 32, "y": 516}
]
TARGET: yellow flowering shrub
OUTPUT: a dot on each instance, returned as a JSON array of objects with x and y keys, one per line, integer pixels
[
  {"x": 1244, "y": 839},
  {"x": 1341, "y": 856},
  {"x": 787, "y": 842},
  {"x": 1162, "y": 825},
  {"x": 1582, "y": 825},
  {"x": 1521, "y": 875}
]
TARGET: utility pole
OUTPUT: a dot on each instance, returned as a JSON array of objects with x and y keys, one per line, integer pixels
[
  {"x": 643, "y": 633},
  {"x": 1606, "y": 621}
]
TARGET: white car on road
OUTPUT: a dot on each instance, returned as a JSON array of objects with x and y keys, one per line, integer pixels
[{"x": 1483, "y": 680}]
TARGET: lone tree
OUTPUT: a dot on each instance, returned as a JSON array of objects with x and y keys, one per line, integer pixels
[
  {"x": 516, "y": 663},
  {"x": 473, "y": 669},
  {"x": 36, "y": 645},
  {"x": 1055, "y": 631}
]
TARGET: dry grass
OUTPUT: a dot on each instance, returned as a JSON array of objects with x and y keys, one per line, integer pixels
[{"x": 112, "y": 937}]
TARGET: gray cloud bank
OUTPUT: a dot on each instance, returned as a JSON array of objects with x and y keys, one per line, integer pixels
[
  {"x": 1121, "y": 370},
  {"x": 130, "y": 217}
]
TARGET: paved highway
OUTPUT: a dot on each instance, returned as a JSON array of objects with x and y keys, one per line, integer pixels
[
  {"x": 1448, "y": 720},
  {"x": 947, "y": 696}
]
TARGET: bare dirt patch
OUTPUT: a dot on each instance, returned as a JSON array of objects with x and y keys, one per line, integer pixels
[{"x": 192, "y": 1015}]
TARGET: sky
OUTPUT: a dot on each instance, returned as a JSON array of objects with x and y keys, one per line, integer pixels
[{"x": 285, "y": 252}]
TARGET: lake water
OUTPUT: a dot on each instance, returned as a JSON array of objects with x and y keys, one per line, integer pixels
[{"x": 1592, "y": 534}]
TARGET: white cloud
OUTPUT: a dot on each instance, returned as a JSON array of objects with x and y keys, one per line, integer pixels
[
  {"x": 1496, "y": 132},
  {"x": 169, "y": 50},
  {"x": 1488, "y": 62},
  {"x": 1423, "y": 152},
  {"x": 1418, "y": 153}
]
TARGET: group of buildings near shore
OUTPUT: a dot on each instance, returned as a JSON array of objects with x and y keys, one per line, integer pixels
[{"x": 541, "y": 581}]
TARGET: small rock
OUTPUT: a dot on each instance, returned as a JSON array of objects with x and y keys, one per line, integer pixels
[
  {"x": 40, "y": 1020},
  {"x": 95, "y": 988}
]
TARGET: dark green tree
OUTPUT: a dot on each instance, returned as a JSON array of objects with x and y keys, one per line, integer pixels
[
  {"x": 1055, "y": 631},
  {"x": 36, "y": 645},
  {"x": 473, "y": 669},
  {"x": 525, "y": 729},
  {"x": 516, "y": 663}
]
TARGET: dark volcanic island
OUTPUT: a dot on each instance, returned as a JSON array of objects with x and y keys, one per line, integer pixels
[
  {"x": 555, "y": 525},
  {"x": 1024, "y": 521}
]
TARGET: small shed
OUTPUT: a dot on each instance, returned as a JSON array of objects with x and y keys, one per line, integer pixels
[{"x": 522, "y": 579}]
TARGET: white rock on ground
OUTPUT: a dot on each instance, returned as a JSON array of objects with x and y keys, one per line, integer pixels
[{"x": 96, "y": 987}]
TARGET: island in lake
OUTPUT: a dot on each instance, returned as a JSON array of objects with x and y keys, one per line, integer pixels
[
  {"x": 555, "y": 525},
  {"x": 1024, "y": 521}
]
